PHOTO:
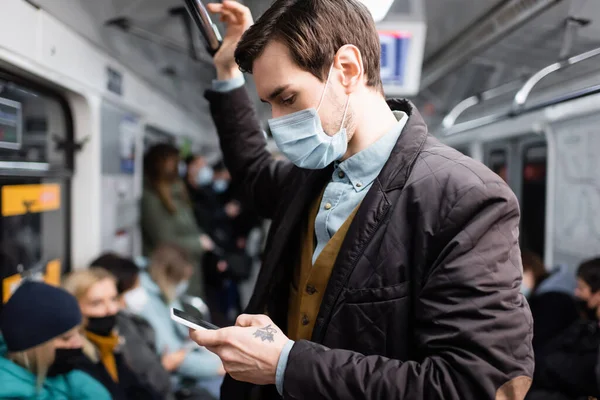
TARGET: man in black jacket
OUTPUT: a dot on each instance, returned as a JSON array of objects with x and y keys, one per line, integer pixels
[{"x": 392, "y": 269}]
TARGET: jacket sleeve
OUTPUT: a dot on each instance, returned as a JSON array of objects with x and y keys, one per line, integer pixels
[
  {"x": 158, "y": 226},
  {"x": 472, "y": 330},
  {"x": 245, "y": 150}
]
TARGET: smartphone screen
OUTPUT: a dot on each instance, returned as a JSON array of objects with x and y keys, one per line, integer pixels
[{"x": 196, "y": 321}]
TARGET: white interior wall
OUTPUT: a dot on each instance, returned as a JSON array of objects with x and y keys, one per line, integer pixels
[{"x": 35, "y": 44}]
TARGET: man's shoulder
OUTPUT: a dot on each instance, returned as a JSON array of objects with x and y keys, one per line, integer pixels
[{"x": 450, "y": 173}]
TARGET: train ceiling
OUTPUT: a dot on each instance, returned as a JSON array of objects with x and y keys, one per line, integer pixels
[{"x": 150, "y": 37}]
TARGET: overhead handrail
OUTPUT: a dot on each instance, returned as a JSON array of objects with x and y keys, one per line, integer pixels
[
  {"x": 489, "y": 119},
  {"x": 450, "y": 119},
  {"x": 523, "y": 93}
]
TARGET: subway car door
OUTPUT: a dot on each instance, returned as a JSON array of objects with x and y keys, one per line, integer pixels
[
  {"x": 522, "y": 163},
  {"x": 36, "y": 165}
]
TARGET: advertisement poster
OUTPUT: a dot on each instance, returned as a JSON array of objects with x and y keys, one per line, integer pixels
[{"x": 128, "y": 130}]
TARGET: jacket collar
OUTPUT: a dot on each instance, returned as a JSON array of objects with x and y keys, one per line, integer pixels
[{"x": 397, "y": 168}]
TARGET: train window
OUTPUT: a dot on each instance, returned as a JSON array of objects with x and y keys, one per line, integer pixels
[
  {"x": 36, "y": 164},
  {"x": 533, "y": 198},
  {"x": 33, "y": 129},
  {"x": 498, "y": 162}
]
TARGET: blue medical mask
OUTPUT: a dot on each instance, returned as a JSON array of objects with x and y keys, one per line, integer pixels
[
  {"x": 204, "y": 176},
  {"x": 300, "y": 136},
  {"x": 181, "y": 169},
  {"x": 525, "y": 290},
  {"x": 220, "y": 185},
  {"x": 181, "y": 288}
]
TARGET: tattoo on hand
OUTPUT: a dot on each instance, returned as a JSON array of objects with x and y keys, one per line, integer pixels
[{"x": 266, "y": 334}]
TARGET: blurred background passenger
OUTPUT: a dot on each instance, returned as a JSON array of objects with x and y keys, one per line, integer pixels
[
  {"x": 198, "y": 178},
  {"x": 223, "y": 214},
  {"x": 139, "y": 350},
  {"x": 96, "y": 292},
  {"x": 166, "y": 211},
  {"x": 588, "y": 288},
  {"x": 41, "y": 324},
  {"x": 565, "y": 366},
  {"x": 550, "y": 297},
  {"x": 165, "y": 282}
]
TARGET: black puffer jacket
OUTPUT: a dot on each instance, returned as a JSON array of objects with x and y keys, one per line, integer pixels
[{"x": 423, "y": 301}]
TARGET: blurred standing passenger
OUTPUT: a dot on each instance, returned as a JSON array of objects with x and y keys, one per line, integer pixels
[
  {"x": 139, "y": 349},
  {"x": 165, "y": 282},
  {"x": 167, "y": 214},
  {"x": 41, "y": 324},
  {"x": 198, "y": 179},
  {"x": 96, "y": 292},
  {"x": 221, "y": 212}
]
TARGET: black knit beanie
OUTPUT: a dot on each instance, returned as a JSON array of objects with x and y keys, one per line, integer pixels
[{"x": 37, "y": 313}]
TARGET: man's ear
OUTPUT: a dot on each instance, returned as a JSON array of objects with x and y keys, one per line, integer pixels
[{"x": 349, "y": 61}]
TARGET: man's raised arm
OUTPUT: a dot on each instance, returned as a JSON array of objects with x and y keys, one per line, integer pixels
[{"x": 242, "y": 140}]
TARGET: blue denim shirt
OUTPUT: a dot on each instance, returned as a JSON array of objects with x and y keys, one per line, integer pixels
[{"x": 350, "y": 182}]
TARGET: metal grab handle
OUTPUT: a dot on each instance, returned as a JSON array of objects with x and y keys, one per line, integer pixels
[
  {"x": 202, "y": 19},
  {"x": 452, "y": 116},
  {"x": 522, "y": 95}
]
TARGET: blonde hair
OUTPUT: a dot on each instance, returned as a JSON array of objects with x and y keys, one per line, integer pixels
[
  {"x": 167, "y": 266},
  {"x": 37, "y": 360},
  {"x": 78, "y": 283}
]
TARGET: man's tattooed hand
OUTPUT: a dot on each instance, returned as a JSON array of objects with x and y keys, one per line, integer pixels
[{"x": 266, "y": 334}]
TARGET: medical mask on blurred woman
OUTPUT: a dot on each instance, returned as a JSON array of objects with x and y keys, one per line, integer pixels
[
  {"x": 136, "y": 299},
  {"x": 220, "y": 186},
  {"x": 181, "y": 288},
  {"x": 204, "y": 176}
]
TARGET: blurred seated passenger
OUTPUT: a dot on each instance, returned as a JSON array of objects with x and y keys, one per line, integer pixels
[
  {"x": 550, "y": 297},
  {"x": 40, "y": 324},
  {"x": 588, "y": 288},
  {"x": 140, "y": 339},
  {"x": 165, "y": 282},
  {"x": 96, "y": 291},
  {"x": 166, "y": 211},
  {"x": 566, "y": 365}
]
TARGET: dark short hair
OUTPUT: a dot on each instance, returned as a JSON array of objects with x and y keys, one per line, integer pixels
[
  {"x": 532, "y": 262},
  {"x": 125, "y": 270},
  {"x": 313, "y": 31},
  {"x": 589, "y": 272}
]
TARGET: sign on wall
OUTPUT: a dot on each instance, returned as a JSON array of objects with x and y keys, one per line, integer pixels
[
  {"x": 402, "y": 48},
  {"x": 394, "y": 54}
]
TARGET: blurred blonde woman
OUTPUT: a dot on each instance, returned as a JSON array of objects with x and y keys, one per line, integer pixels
[
  {"x": 40, "y": 324},
  {"x": 96, "y": 292},
  {"x": 166, "y": 280}
]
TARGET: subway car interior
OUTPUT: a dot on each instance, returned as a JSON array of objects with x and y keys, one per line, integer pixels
[{"x": 103, "y": 105}]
